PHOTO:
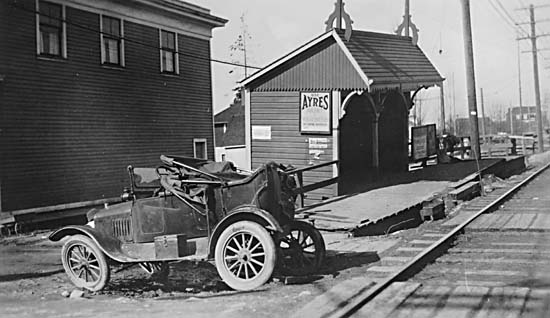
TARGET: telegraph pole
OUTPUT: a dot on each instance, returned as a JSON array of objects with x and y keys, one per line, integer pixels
[
  {"x": 533, "y": 37},
  {"x": 442, "y": 105},
  {"x": 483, "y": 131},
  {"x": 536, "y": 74},
  {"x": 470, "y": 78},
  {"x": 520, "y": 98}
]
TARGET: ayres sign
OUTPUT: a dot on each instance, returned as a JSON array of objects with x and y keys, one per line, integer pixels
[
  {"x": 315, "y": 113},
  {"x": 315, "y": 100}
]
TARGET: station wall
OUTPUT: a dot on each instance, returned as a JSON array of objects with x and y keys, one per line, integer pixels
[{"x": 276, "y": 115}]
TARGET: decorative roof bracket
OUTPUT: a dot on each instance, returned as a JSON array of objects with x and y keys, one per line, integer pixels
[
  {"x": 407, "y": 25},
  {"x": 339, "y": 14}
]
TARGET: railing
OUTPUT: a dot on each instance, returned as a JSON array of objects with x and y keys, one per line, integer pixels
[{"x": 301, "y": 189}]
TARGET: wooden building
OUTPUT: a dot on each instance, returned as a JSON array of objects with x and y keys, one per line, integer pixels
[
  {"x": 337, "y": 99},
  {"x": 229, "y": 133},
  {"x": 88, "y": 87}
]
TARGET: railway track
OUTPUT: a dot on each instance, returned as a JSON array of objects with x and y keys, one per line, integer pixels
[{"x": 492, "y": 261}]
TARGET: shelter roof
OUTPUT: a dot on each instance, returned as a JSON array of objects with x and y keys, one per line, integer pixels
[{"x": 376, "y": 60}]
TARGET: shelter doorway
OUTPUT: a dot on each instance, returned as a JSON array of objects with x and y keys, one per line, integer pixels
[
  {"x": 393, "y": 134},
  {"x": 356, "y": 143}
]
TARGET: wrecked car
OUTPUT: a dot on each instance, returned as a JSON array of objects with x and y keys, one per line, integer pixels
[{"x": 194, "y": 209}]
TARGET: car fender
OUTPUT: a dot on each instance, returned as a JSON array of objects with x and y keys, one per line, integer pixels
[
  {"x": 243, "y": 213},
  {"x": 108, "y": 245}
]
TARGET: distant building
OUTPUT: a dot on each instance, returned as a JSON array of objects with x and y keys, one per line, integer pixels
[
  {"x": 230, "y": 135},
  {"x": 524, "y": 119},
  {"x": 462, "y": 126},
  {"x": 88, "y": 87}
]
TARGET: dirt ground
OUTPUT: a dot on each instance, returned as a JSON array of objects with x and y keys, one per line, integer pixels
[{"x": 33, "y": 283}]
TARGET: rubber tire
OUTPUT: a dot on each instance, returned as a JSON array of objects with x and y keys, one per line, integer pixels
[
  {"x": 103, "y": 264},
  {"x": 320, "y": 250},
  {"x": 263, "y": 236}
]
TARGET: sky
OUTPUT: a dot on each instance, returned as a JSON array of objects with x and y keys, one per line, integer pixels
[{"x": 277, "y": 27}]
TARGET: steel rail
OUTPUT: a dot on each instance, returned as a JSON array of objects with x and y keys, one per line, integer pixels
[{"x": 359, "y": 301}]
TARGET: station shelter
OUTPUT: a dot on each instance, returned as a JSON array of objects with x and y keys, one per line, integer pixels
[{"x": 341, "y": 99}]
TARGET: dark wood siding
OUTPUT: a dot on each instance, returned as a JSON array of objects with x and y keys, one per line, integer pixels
[
  {"x": 70, "y": 127},
  {"x": 280, "y": 110}
]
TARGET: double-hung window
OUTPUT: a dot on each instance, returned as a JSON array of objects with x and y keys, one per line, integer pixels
[
  {"x": 50, "y": 29},
  {"x": 169, "y": 52},
  {"x": 112, "y": 43},
  {"x": 199, "y": 148}
]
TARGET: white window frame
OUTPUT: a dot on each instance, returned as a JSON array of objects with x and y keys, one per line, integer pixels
[
  {"x": 176, "y": 56},
  {"x": 195, "y": 142},
  {"x": 122, "y": 51},
  {"x": 63, "y": 47}
]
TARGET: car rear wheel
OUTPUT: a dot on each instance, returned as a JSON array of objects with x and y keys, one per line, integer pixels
[
  {"x": 85, "y": 263},
  {"x": 245, "y": 255},
  {"x": 302, "y": 249}
]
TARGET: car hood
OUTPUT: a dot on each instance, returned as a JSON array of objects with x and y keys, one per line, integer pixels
[{"x": 120, "y": 208}]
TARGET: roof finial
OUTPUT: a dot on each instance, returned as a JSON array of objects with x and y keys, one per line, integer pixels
[
  {"x": 339, "y": 14},
  {"x": 408, "y": 25}
]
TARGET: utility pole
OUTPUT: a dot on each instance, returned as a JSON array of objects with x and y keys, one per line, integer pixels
[
  {"x": 520, "y": 97},
  {"x": 442, "y": 105},
  {"x": 470, "y": 78},
  {"x": 483, "y": 131},
  {"x": 536, "y": 74},
  {"x": 453, "y": 112},
  {"x": 533, "y": 37}
]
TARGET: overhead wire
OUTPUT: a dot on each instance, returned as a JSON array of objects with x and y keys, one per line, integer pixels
[
  {"x": 509, "y": 22},
  {"x": 510, "y": 16}
]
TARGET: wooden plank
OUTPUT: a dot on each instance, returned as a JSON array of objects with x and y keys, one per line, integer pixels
[
  {"x": 436, "y": 235},
  {"x": 459, "y": 219},
  {"x": 541, "y": 222},
  {"x": 484, "y": 221},
  {"x": 500, "y": 221},
  {"x": 489, "y": 272},
  {"x": 537, "y": 304},
  {"x": 411, "y": 249},
  {"x": 504, "y": 302},
  {"x": 462, "y": 302},
  {"x": 498, "y": 251},
  {"x": 388, "y": 300},
  {"x": 466, "y": 191},
  {"x": 422, "y": 242},
  {"x": 395, "y": 259},
  {"x": 423, "y": 303},
  {"x": 384, "y": 269},
  {"x": 500, "y": 261},
  {"x": 334, "y": 298},
  {"x": 318, "y": 185},
  {"x": 520, "y": 221}
]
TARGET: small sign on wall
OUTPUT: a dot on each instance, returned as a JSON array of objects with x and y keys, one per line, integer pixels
[
  {"x": 261, "y": 132},
  {"x": 315, "y": 113},
  {"x": 318, "y": 143},
  {"x": 423, "y": 142},
  {"x": 317, "y": 148}
]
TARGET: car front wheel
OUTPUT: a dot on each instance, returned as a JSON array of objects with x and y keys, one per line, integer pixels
[
  {"x": 245, "y": 255},
  {"x": 85, "y": 263}
]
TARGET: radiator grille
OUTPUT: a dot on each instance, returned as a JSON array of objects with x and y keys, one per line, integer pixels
[{"x": 122, "y": 228}]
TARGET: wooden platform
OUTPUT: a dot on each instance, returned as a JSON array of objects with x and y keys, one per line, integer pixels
[{"x": 397, "y": 206}]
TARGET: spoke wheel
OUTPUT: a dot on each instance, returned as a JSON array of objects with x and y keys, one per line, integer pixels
[
  {"x": 302, "y": 250},
  {"x": 245, "y": 255},
  {"x": 85, "y": 263}
]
